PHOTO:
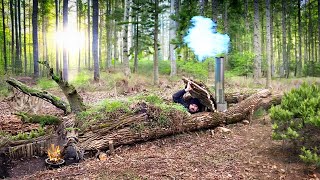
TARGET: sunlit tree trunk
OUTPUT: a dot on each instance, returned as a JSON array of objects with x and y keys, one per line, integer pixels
[
  {"x": 57, "y": 29},
  {"x": 257, "y": 41},
  {"x": 4, "y": 39},
  {"x": 95, "y": 45},
  {"x": 25, "y": 38},
  {"x": 35, "y": 38},
  {"x": 100, "y": 26},
  {"x": 89, "y": 41},
  {"x": 136, "y": 48},
  {"x": 247, "y": 39},
  {"x": 19, "y": 34},
  {"x": 65, "y": 51},
  {"x": 29, "y": 42},
  {"x": 109, "y": 31},
  {"x": 18, "y": 65},
  {"x": 284, "y": 70},
  {"x": 126, "y": 67},
  {"x": 172, "y": 35},
  {"x": 268, "y": 43},
  {"x": 318, "y": 31},
  {"x": 155, "y": 45},
  {"x": 78, "y": 29}
]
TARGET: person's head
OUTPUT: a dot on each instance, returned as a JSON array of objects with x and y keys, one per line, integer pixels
[{"x": 194, "y": 105}]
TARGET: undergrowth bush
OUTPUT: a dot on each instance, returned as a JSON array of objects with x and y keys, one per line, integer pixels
[
  {"x": 46, "y": 83},
  {"x": 241, "y": 63},
  {"x": 24, "y": 135},
  {"x": 297, "y": 120}
]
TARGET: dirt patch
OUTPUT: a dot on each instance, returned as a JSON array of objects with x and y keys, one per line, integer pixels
[{"x": 248, "y": 152}]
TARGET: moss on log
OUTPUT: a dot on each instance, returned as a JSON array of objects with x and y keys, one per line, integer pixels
[
  {"x": 128, "y": 133},
  {"x": 56, "y": 101},
  {"x": 75, "y": 100},
  {"x": 41, "y": 119}
]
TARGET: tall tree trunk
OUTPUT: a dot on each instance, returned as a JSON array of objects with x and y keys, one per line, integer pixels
[
  {"x": 79, "y": 10},
  {"x": 100, "y": 25},
  {"x": 247, "y": 38},
  {"x": 95, "y": 21},
  {"x": 155, "y": 45},
  {"x": 299, "y": 65},
  {"x": 268, "y": 37},
  {"x": 289, "y": 46},
  {"x": 318, "y": 30},
  {"x": 24, "y": 38},
  {"x": 65, "y": 51},
  {"x": 135, "y": 68},
  {"x": 4, "y": 39},
  {"x": 257, "y": 41},
  {"x": 35, "y": 38},
  {"x": 284, "y": 72},
  {"x": 109, "y": 31},
  {"x": 29, "y": 42},
  {"x": 172, "y": 35},
  {"x": 18, "y": 60},
  {"x": 115, "y": 43},
  {"x": 126, "y": 67},
  {"x": 89, "y": 48},
  {"x": 201, "y": 5},
  {"x": 20, "y": 44},
  {"x": 57, "y": 29},
  {"x": 12, "y": 37}
]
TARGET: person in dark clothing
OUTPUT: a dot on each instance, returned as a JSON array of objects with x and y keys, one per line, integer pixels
[{"x": 193, "y": 105}]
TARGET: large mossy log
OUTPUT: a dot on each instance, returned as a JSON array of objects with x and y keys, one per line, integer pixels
[
  {"x": 128, "y": 134},
  {"x": 56, "y": 101}
]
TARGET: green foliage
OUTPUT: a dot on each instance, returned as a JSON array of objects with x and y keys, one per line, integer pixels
[
  {"x": 297, "y": 119},
  {"x": 112, "y": 106},
  {"x": 310, "y": 157},
  {"x": 150, "y": 98},
  {"x": 82, "y": 79},
  {"x": 41, "y": 119},
  {"x": 199, "y": 70},
  {"x": 241, "y": 63},
  {"x": 45, "y": 83},
  {"x": 29, "y": 135},
  {"x": 312, "y": 68},
  {"x": 4, "y": 89}
]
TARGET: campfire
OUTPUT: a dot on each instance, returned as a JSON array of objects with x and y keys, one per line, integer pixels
[{"x": 54, "y": 159}]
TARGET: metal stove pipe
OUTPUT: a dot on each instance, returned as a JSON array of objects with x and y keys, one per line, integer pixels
[{"x": 219, "y": 84}]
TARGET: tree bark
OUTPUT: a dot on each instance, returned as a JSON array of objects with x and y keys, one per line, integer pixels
[
  {"x": 57, "y": 29},
  {"x": 257, "y": 41},
  {"x": 4, "y": 39},
  {"x": 268, "y": 37},
  {"x": 155, "y": 44},
  {"x": 283, "y": 73},
  {"x": 95, "y": 19},
  {"x": 172, "y": 31},
  {"x": 122, "y": 133},
  {"x": 35, "y": 38},
  {"x": 109, "y": 31},
  {"x": 56, "y": 101},
  {"x": 65, "y": 51},
  {"x": 25, "y": 38},
  {"x": 89, "y": 48},
  {"x": 126, "y": 67}
]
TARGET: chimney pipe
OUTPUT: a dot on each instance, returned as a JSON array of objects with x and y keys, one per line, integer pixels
[{"x": 219, "y": 84}]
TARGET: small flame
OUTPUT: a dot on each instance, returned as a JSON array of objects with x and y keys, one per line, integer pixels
[{"x": 54, "y": 153}]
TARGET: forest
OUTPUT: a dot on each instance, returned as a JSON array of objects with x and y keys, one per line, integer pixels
[{"x": 88, "y": 89}]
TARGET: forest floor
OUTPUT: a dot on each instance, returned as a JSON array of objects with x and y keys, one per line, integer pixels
[{"x": 247, "y": 152}]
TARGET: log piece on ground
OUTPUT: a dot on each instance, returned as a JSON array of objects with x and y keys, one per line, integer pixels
[
  {"x": 99, "y": 139},
  {"x": 56, "y": 101}
]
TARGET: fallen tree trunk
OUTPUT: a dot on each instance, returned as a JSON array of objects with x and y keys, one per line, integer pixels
[
  {"x": 56, "y": 101},
  {"x": 128, "y": 133}
]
